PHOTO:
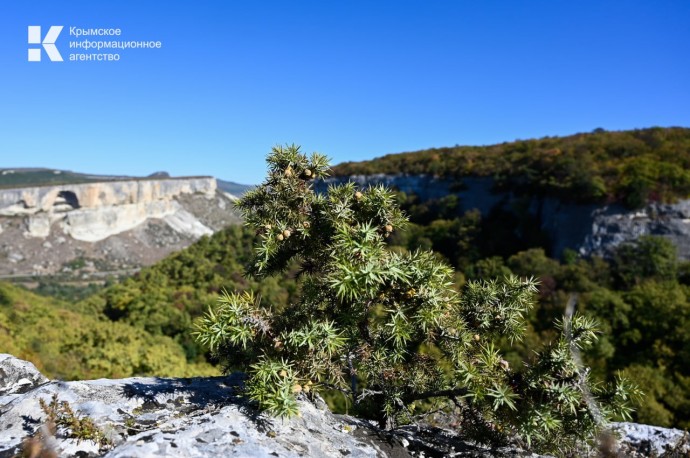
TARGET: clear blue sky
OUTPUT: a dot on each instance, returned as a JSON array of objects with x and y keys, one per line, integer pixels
[{"x": 350, "y": 79}]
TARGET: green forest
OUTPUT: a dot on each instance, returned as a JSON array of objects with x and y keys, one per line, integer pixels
[
  {"x": 630, "y": 167},
  {"x": 142, "y": 325}
]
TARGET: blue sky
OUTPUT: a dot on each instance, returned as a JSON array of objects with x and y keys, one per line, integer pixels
[{"x": 350, "y": 79}]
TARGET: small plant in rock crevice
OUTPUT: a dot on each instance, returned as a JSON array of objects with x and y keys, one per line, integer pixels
[
  {"x": 389, "y": 329},
  {"x": 61, "y": 418}
]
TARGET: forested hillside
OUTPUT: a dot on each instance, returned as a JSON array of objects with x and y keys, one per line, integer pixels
[
  {"x": 165, "y": 298},
  {"x": 66, "y": 344},
  {"x": 140, "y": 326},
  {"x": 627, "y": 166}
]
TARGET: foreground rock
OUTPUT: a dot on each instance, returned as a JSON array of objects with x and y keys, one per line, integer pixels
[
  {"x": 644, "y": 440},
  {"x": 148, "y": 417},
  {"x": 17, "y": 376}
]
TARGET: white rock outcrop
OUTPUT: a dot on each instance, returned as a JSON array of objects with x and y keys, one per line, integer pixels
[
  {"x": 17, "y": 376},
  {"x": 200, "y": 417},
  {"x": 32, "y": 200},
  {"x": 150, "y": 417},
  {"x": 94, "y": 211},
  {"x": 121, "y": 225}
]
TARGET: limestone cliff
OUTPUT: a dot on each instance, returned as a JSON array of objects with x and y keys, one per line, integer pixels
[
  {"x": 127, "y": 223},
  {"x": 587, "y": 229}
]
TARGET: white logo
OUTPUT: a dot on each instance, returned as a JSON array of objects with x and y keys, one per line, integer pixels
[{"x": 48, "y": 43}]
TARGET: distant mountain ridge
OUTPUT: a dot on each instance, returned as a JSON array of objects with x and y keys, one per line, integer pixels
[
  {"x": 235, "y": 189},
  {"x": 38, "y": 176}
]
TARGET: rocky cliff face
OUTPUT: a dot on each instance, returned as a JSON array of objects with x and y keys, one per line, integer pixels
[
  {"x": 150, "y": 417},
  {"x": 587, "y": 229},
  {"x": 125, "y": 223}
]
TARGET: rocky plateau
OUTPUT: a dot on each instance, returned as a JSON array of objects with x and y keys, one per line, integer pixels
[{"x": 105, "y": 227}]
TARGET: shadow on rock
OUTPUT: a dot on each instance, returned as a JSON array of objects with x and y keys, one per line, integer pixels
[
  {"x": 192, "y": 394},
  {"x": 200, "y": 391}
]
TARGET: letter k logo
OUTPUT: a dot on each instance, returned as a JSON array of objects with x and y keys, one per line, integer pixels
[{"x": 48, "y": 43}]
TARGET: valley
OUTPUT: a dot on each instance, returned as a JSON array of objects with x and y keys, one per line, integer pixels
[{"x": 627, "y": 264}]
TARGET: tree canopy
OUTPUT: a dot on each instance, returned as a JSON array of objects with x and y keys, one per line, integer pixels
[{"x": 631, "y": 166}]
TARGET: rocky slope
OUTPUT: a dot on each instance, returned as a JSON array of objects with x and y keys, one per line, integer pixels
[
  {"x": 147, "y": 417},
  {"x": 587, "y": 229},
  {"x": 107, "y": 225}
]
